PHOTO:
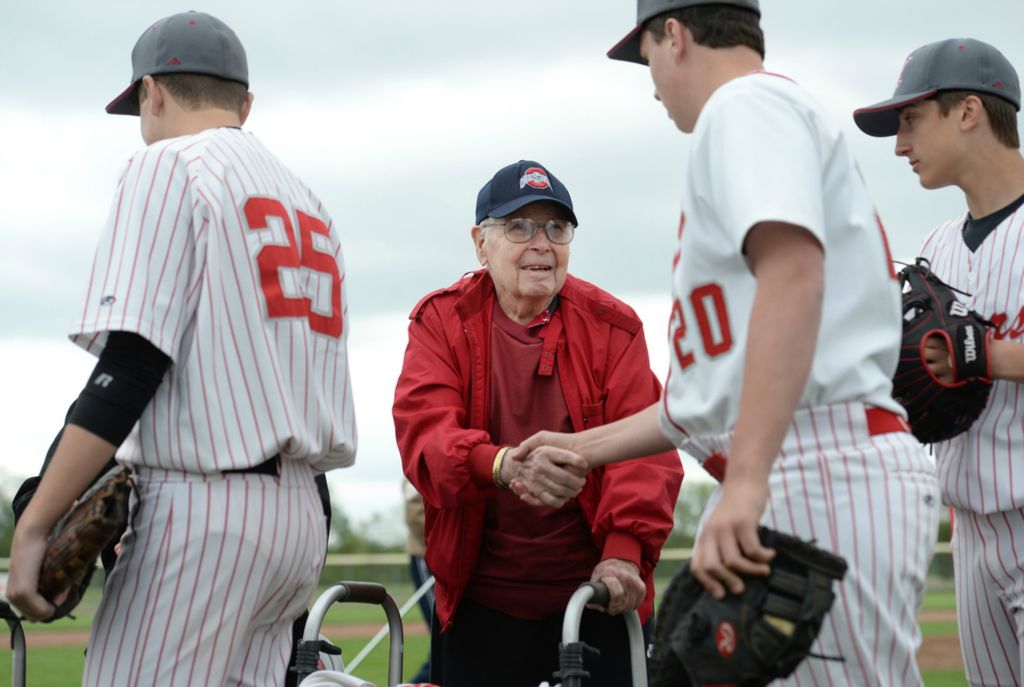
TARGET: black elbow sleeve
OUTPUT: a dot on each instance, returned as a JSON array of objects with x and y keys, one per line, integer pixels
[{"x": 122, "y": 384}]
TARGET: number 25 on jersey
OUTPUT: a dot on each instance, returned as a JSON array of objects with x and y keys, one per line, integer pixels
[{"x": 272, "y": 258}]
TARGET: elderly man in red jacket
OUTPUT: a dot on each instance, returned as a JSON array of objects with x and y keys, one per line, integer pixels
[{"x": 513, "y": 348}]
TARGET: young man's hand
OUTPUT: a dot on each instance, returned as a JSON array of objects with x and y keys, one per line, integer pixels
[
  {"x": 27, "y": 550},
  {"x": 937, "y": 358},
  {"x": 728, "y": 545},
  {"x": 1006, "y": 360}
]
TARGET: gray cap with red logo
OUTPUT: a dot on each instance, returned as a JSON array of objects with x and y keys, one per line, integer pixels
[
  {"x": 954, "y": 64},
  {"x": 185, "y": 43},
  {"x": 628, "y": 48}
]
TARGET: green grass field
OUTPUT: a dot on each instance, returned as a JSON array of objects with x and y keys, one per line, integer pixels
[{"x": 62, "y": 666}]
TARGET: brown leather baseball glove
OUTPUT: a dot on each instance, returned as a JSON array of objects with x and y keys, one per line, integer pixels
[{"x": 99, "y": 515}]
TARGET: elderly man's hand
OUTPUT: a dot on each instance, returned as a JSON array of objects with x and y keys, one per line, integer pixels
[
  {"x": 545, "y": 476},
  {"x": 625, "y": 587}
]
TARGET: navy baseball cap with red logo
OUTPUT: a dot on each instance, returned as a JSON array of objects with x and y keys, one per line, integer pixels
[
  {"x": 520, "y": 184},
  {"x": 628, "y": 49},
  {"x": 955, "y": 64},
  {"x": 185, "y": 43}
]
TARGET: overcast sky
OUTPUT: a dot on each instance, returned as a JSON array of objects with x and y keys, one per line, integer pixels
[{"x": 395, "y": 114}]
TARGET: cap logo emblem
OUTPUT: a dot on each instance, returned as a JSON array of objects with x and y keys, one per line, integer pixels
[
  {"x": 535, "y": 177},
  {"x": 174, "y": 61},
  {"x": 998, "y": 84}
]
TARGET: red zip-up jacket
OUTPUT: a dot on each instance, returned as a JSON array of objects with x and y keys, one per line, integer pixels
[{"x": 440, "y": 414}]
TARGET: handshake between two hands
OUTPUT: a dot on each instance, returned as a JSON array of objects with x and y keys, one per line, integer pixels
[{"x": 544, "y": 471}]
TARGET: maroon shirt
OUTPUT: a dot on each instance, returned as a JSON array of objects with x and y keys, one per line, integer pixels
[{"x": 532, "y": 559}]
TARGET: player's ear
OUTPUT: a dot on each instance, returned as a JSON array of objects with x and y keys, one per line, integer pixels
[
  {"x": 246, "y": 108},
  {"x": 679, "y": 37},
  {"x": 154, "y": 95},
  {"x": 972, "y": 111}
]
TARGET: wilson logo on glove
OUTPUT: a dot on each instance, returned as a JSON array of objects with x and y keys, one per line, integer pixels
[
  {"x": 958, "y": 309},
  {"x": 970, "y": 346}
]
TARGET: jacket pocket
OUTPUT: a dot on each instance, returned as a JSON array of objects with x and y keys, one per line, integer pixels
[{"x": 593, "y": 415}]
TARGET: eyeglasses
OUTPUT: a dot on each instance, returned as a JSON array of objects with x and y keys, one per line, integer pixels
[{"x": 522, "y": 229}]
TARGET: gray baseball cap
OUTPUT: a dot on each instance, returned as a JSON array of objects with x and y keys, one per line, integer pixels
[
  {"x": 186, "y": 43},
  {"x": 951, "y": 65},
  {"x": 628, "y": 49}
]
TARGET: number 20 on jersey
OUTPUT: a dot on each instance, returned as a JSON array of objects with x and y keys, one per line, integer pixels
[{"x": 707, "y": 303}]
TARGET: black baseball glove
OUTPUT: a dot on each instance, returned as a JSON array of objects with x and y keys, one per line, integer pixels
[
  {"x": 748, "y": 639},
  {"x": 940, "y": 410}
]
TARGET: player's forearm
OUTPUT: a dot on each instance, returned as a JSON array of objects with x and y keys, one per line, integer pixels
[
  {"x": 1006, "y": 360},
  {"x": 631, "y": 437},
  {"x": 783, "y": 330},
  {"x": 78, "y": 460}
]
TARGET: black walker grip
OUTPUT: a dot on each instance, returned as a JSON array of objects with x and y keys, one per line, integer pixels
[
  {"x": 364, "y": 593},
  {"x": 602, "y": 597}
]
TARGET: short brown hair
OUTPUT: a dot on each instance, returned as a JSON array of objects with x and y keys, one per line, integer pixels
[
  {"x": 714, "y": 26},
  {"x": 1002, "y": 115},
  {"x": 195, "y": 91}
]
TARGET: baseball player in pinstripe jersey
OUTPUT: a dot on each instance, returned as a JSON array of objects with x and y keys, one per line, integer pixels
[
  {"x": 954, "y": 116},
  {"x": 216, "y": 308},
  {"x": 784, "y": 332}
]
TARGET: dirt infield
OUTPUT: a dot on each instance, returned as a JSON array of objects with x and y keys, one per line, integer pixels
[{"x": 940, "y": 652}]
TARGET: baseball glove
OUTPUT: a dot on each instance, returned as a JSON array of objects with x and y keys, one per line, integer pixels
[
  {"x": 99, "y": 515},
  {"x": 938, "y": 410},
  {"x": 748, "y": 639}
]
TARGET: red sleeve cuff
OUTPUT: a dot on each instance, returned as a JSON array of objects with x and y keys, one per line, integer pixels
[
  {"x": 623, "y": 546},
  {"x": 481, "y": 462}
]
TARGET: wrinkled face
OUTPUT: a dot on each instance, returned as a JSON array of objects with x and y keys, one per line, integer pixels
[
  {"x": 930, "y": 142},
  {"x": 525, "y": 273}
]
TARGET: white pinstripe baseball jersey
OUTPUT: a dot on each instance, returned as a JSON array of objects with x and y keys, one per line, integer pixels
[
  {"x": 760, "y": 149},
  {"x": 212, "y": 572},
  {"x": 977, "y": 470},
  {"x": 223, "y": 259},
  {"x": 764, "y": 151},
  {"x": 872, "y": 499},
  {"x": 989, "y": 591}
]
